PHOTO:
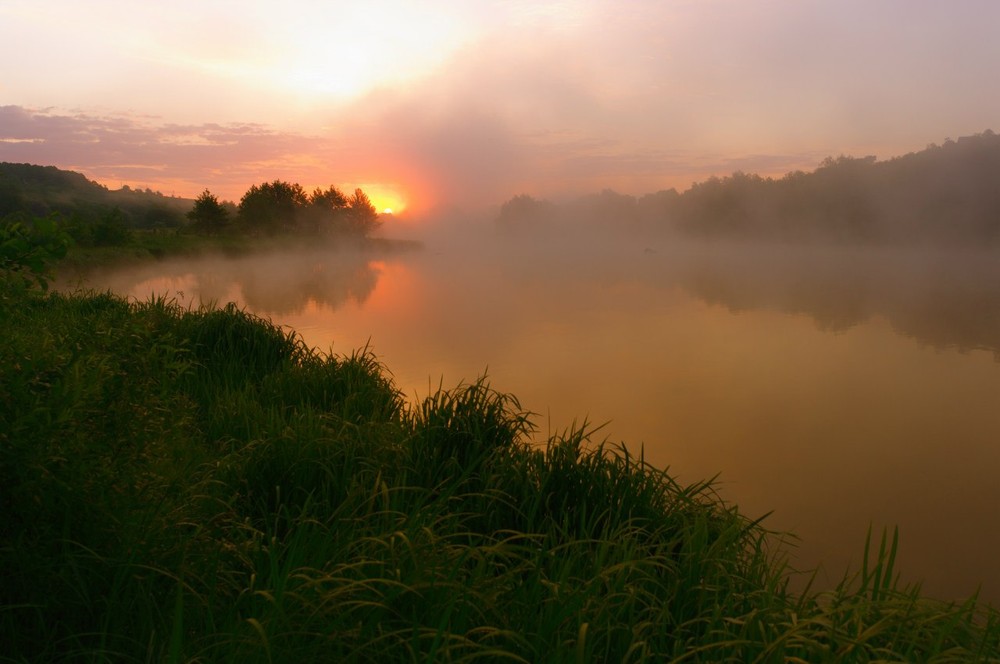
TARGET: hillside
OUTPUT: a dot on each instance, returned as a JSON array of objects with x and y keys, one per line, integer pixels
[{"x": 27, "y": 189}]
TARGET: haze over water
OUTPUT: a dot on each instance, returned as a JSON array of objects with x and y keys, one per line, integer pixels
[{"x": 836, "y": 388}]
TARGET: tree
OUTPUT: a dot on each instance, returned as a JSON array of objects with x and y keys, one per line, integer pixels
[
  {"x": 524, "y": 212},
  {"x": 362, "y": 215},
  {"x": 272, "y": 206},
  {"x": 208, "y": 215},
  {"x": 327, "y": 211},
  {"x": 111, "y": 230},
  {"x": 331, "y": 198}
]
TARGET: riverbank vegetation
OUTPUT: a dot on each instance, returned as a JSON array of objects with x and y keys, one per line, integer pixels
[
  {"x": 198, "y": 485},
  {"x": 99, "y": 226}
]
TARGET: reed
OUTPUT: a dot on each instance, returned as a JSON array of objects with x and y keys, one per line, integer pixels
[{"x": 201, "y": 486}]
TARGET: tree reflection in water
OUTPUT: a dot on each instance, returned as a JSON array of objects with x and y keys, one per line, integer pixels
[{"x": 274, "y": 284}]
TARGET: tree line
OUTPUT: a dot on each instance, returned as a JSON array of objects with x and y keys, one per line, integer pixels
[
  {"x": 91, "y": 215},
  {"x": 279, "y": 207},
  {"x": 944, "y": 194}
]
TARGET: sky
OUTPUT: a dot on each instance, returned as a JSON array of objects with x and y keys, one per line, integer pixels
[{"x": 465, "y": 103}]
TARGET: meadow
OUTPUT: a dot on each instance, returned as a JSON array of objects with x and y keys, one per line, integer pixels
[{"x": 200, "y": 486}]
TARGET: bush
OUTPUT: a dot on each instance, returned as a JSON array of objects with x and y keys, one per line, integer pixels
[{"x": 27, "y": 249}]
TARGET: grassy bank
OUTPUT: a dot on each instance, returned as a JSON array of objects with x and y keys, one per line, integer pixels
[{"x": 200, "y": 486}]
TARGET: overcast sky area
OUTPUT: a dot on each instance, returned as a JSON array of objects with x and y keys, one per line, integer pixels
[{"x": 466, "y": 103}]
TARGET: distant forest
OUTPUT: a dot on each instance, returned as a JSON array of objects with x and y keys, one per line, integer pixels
[
  {"x": 944, "y": 194},
  {"x": 92, "y": 215}
]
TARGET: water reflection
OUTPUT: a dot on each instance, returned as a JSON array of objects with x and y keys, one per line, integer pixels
[
  {"x": 276, "y": 284},
  {"x": 945, "y": 299},
  {"x": 281, "y": 288}
]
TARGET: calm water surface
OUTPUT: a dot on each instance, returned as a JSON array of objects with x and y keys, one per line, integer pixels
[{"x": 834, "y": 389}]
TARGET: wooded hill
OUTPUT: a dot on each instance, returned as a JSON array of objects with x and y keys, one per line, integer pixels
[
  {"x": 36, "y": 191},
  {"x": 944, "y": 194}
]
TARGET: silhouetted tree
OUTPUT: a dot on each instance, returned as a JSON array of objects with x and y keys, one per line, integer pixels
[
  {"x": 208, "y": 215},
  {"x": 326, "y": 212},
  {"x": 331, "y": 198},
  {"x": 272, "y": 206},
  {"x": 362, "y": 215}
]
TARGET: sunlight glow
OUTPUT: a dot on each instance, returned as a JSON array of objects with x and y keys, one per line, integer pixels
[
  {"x": 337, "y": 54},
  {"x": 387, "y": 198}
]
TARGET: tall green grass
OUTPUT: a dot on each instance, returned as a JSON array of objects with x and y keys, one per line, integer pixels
[{"x": 200, "y": 486}]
